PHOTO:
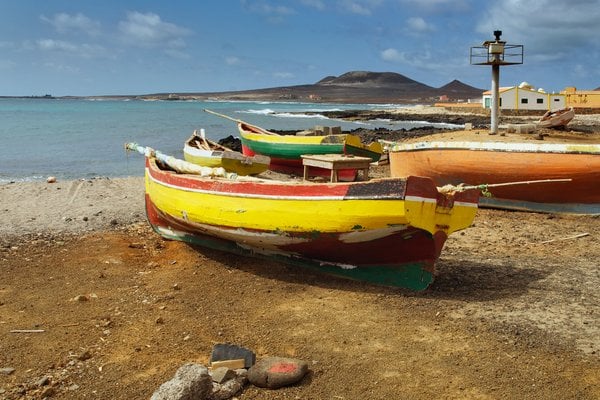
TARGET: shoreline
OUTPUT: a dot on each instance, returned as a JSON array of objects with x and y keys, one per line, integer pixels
[{"x": 71, "y": 206}]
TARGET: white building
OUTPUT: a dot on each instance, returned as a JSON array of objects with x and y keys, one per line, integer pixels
[{"x": 525, "y": 97}]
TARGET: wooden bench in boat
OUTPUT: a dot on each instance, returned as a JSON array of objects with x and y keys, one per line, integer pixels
[{"x": 336, "y": 162}]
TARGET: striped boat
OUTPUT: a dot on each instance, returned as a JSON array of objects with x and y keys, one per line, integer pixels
[
  {"x": 285, "y": 151},
  {"x": 387, "y": 231}
]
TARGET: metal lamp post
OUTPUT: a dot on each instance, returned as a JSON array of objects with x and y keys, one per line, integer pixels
[{"x": 494, "y": 53}]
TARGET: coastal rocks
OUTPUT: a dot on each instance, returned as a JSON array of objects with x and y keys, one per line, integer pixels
[
  {"x": 191, "y": 382},
  {"x": 227, "y": 383},
  {"x": 196, "y": 382},
  {"x": 276, "y": 372}
]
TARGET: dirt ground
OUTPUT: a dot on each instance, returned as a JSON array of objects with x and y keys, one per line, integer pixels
[{"x": 95, "y": 305}]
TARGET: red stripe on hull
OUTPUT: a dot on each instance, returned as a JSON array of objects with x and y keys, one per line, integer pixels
[
  {"x": 402, "y": 247},
  {"x": 392, "y": 188}
]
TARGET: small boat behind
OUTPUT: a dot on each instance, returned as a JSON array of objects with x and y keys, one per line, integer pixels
[
  {"x": 557, "y": 118},
  {"x": 202, "y": 151},
  {"x": 524, "y": 176},
  {"x": 286, "y": 151}
]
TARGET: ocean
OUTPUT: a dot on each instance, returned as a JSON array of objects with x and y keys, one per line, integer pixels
[{"x": 80, "y": 138}]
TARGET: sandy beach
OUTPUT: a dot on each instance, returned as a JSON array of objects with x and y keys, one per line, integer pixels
[{"x": 94, "y": 304}]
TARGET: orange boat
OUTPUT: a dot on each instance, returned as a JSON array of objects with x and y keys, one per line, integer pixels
[{"x": 540, "y": 177}]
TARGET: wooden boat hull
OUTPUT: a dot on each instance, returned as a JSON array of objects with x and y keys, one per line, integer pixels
[
  {"x": 388, "y": 231},
  {"x": 557, "y": 118},
  {"x": 285, "y": 151},
  {"x": 494, "y": 162},
  {"x": 231, "y": 160}
]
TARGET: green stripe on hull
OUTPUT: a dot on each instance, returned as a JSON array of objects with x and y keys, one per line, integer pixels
[
  {"x": 411, "y": 276},
  {"x": 292, "y": 151}
]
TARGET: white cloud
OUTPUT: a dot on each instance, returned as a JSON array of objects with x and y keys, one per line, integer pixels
[
  {"x": 437, "y": 5},
  {"x": 63, "y": 23},
  {"x": 274, "y": 13},
  {"x": 392, "y": 55},
  {"x": 418, "y": 25},
  {"x": 148, "y": 30},
  {"x": 418, "y": 60},
  {"x": 232, "y": 60},
  {"x": 80, "y": 50},
  {"x": 360, "y": 7},
  {"x": 56, "y": 45}
]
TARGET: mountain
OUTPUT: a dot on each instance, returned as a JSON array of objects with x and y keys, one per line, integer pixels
[
  {"x": 373, "y": 80},
  {"x": 351, "y": 87}
]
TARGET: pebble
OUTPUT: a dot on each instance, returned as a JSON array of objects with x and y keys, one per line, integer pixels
[
  {"x": 43, "y": 381},
  {"x": 7, "y": 370},
  {"x": 51, "y": 179},
  {"x": 80, "y": 298},
  {"x": 86, "y": 355}
]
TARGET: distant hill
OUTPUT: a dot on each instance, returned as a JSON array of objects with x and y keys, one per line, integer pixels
[
  {"x": 351, "y": 87},
  {"x": 373, "y": 80}
]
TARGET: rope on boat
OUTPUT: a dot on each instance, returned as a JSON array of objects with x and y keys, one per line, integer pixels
[
  {"x": 449, "y": 189},
  {"x": 178, "y": 165}
]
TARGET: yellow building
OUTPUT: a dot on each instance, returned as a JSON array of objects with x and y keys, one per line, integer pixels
[{"x": 582, "y": 98}]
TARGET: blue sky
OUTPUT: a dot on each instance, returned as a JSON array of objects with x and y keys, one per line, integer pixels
[{"x": 90, "y": 47}]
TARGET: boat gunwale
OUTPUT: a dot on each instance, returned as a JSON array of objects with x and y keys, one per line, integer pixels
[
  {"x": 513, "y": 147},
  {"x": 262, "y": 186}
]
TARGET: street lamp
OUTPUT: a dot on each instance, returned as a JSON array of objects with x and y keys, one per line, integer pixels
[{"x": 496, "y": 53}]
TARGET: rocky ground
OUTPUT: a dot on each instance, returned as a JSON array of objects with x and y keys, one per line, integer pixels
[{"x": 95, "y": 305}]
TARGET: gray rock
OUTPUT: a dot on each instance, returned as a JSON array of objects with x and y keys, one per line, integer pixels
[
  {"x": 276, "y": 372},
  {"x": 226, "y": 351},
  {"x": 191, "y": 382},
  {"x": 222, "y": 374},
  {"x": 7, "y": 370},
  {"x": 228, "y": 389},
  {"x": 43, "y": 381}
]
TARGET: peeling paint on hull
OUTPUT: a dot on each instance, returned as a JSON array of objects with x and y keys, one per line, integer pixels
[
  {"x": 389, "y": 231},
  {"x": 404, "y": 259}
]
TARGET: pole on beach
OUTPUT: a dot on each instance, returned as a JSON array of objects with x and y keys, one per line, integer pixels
[
  {"x": 495, "y": 98},
  {"x": 492, "y": 52}
]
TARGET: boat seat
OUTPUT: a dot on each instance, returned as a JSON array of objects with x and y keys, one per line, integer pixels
[{"x": 335, "y": 163}]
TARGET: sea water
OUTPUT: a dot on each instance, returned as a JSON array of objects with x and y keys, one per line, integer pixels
[{"x": 81, "y": 138}]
